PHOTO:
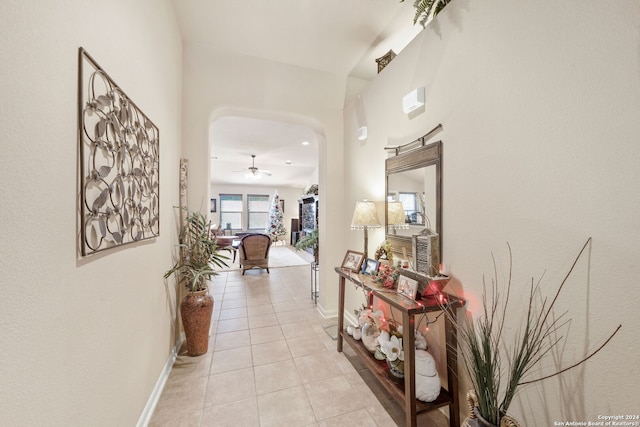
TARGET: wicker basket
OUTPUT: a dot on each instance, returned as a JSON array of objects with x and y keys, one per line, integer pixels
[{"x": 473, "y": 421}]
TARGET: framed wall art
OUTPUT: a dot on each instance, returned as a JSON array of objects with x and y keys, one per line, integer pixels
[
  {"x": 213, "y": 205},
  {"x": 119, "y": 165}
]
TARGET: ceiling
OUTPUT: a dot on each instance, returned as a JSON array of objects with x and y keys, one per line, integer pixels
[
  {"x": 235, "y": 139},
  {"x": 353, "y": 33}
]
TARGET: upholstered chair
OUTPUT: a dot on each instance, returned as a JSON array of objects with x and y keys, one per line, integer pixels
[
  {"x": 254, "y": 251},
  {"x": 216, "y": 230}
]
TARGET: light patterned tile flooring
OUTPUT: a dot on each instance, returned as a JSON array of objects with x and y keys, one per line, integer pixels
[{"x": 271, "y": 363}]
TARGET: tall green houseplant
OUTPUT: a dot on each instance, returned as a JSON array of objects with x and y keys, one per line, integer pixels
[{"x": 198, "y": 254}]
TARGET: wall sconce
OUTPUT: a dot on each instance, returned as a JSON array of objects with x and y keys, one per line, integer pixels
[
  {"x": 413, "y": 100},
  {"x": 365, "y": 216},
  {"x": 396, "y": 216},
  {"x": 362, "y": 133}
]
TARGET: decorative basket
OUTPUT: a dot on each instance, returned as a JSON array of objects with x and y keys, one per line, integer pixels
[{"x": 475, "y": 419}]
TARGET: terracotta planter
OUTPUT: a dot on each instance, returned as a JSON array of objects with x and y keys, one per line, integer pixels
[{"x": 196, "y": 309}]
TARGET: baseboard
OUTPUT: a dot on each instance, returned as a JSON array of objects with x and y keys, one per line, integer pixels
[
  {"x": 326, "y": 314},
  {"x": 147, "y": 412}
]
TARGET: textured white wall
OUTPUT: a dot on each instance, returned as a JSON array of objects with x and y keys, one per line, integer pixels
[
  {"x": 219, "y": 83},
  {"x": 83, "y": 340},
  {"x": 540, "y": 104}
]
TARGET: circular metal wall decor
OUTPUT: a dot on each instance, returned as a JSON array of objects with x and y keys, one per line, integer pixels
[{"x": 119, "y": 164}]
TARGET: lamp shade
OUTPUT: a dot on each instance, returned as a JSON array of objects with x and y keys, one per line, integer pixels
[
  {"x": 395, "y": 213},
  {"x": 365, "y": 215}
]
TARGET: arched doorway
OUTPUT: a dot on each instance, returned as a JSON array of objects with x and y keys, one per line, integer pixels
[{"x": 253, "y": 155}]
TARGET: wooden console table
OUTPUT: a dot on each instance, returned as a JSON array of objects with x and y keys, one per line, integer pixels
[{"x": 405, "y": 391}]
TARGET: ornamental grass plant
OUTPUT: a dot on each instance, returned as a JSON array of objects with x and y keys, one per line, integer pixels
[{"x": 497, "y": 366}]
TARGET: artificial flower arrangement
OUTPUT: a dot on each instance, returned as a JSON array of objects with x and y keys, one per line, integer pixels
[
  {"x": 390, "y": 349},
  {"x": 387, "y": 276},
  {"x": 383, "y": 338},
  {"x": 427, "y": 380}
]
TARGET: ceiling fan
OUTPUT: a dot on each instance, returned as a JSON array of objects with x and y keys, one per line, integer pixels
[{"x": 254, "y": 172}]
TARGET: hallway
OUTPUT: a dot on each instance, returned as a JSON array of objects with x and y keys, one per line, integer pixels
[{"x": 271, "y": 363}]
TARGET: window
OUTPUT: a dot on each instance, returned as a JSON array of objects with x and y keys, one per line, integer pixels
[
  {"x": 258, "y": 207},
  {"x": 231, "y": 211},
  {"x": 410, "y": 206}
]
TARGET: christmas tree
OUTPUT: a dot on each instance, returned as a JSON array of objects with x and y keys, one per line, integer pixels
[{"x": 275, "y": 225}]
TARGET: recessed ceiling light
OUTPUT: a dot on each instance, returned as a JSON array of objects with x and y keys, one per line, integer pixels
[{"x": 305, "y": 142}]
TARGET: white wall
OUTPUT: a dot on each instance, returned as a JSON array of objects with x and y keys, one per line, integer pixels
[
  {"x": 83, "y": 340},
  {"x": 540, "y": 104},
  {"x": 289, "y": 195},
  {"x": 220, "y": 83}
]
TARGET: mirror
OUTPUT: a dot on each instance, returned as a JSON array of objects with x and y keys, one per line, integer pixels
[{"x": 414, "y": 179}]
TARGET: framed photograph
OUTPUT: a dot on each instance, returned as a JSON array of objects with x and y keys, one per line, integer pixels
[
  {"x": 370, "y": 267},
  {"x": 213, "y": 205},
  {"x": 353, "y": 261},
  {"x": 407, "y": 287}
]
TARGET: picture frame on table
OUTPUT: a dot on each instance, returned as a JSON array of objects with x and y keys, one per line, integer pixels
[
  {"x": 353, "y": 261},
  {"x": 407, "y": 287},
  {"x": 370, "y": 267}
]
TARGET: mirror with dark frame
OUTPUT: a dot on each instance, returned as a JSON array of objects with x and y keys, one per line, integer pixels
[{"x": 414, "y": 183}]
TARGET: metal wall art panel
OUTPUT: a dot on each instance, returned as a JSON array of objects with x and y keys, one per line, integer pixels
[{"x": 119, "y": 164}]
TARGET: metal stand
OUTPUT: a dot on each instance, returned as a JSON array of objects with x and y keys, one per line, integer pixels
[{"x": 315, "y": 267}]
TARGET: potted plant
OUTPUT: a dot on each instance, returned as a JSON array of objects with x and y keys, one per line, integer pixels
[
  {"x": 198, "y": 254},
  {"x": 426, "y": 9},
  {"x": 485, "y": 351},
  {"x": 309, "y": 241}
]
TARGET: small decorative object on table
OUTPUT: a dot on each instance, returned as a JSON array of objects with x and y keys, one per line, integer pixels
[
  {"x": 391, "y": 348},
  {"x": 384, "y": 254},
  {"x": 369, "y": 323},
  {"x": 407, "y": 287},
  {"x": 352, "y": 261},
  {"x": 387, "y": 276},
  {"x": 435, "y": 285},
  {"x": 427, "y": 378},
  {"x": 370, "y": 267}
]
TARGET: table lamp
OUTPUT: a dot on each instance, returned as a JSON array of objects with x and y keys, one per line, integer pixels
[
  {"x": 395, "y": 216},
  {"x": 365, "y": 216}
]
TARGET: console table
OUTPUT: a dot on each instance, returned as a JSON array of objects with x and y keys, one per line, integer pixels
[{"x": 404, "y": 391}]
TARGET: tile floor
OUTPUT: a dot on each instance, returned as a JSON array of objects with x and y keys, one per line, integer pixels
[{"x": 271, "y": 363}]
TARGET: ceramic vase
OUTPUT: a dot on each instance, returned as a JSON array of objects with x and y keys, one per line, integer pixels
[
  {"x": 396, "y": 368},
  {"x": 195, "y": 310}
]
